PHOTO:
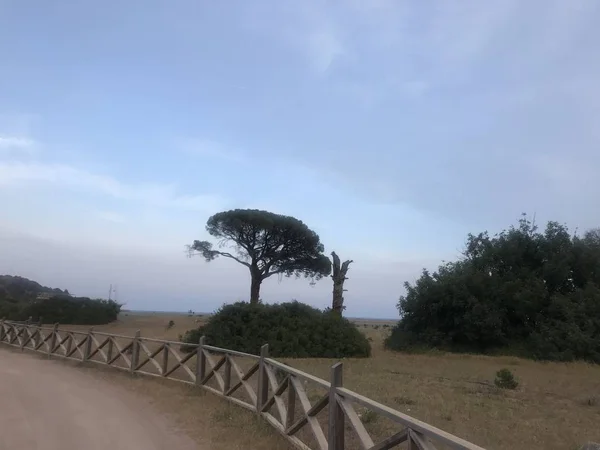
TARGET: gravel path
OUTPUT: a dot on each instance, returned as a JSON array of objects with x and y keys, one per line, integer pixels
[{"x": 47, "y": 405}]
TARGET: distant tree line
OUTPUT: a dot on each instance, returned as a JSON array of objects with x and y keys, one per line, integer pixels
[
  {"x": 21, "y": 299},
  {"x": 522, "y": 291}
]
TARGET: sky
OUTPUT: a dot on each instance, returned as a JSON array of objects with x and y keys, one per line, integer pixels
[{"x": 392, "y": 128}]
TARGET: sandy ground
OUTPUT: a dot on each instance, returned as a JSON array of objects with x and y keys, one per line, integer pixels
[{"x": 45, "y": 405}]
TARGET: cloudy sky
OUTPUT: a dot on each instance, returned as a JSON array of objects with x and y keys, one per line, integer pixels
[{"x": 392, "y": 128}]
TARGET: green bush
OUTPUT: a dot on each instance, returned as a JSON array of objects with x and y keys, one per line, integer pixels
[
  {"x": 505, "y": 379},
  {"x": 291, "y": 329},
  {"x": 69, "y": 310},
  {"x": 522, "y": 292}
]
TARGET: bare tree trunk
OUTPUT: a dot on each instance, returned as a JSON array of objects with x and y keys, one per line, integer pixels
[
  {"x": 255, "y": 290},
  {"x": 338, "y": 277}
]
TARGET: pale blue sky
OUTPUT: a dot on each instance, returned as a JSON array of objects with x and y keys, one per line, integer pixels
[{"x": 392, "y": 128}]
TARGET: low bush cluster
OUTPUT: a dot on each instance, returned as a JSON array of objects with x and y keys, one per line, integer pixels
[
  {"x": 291, "y": 329},
  {"x": 68, "y": 310}
]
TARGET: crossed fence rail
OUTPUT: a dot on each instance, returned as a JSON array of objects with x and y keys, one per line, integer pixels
[{"x": 309, "y": 412}]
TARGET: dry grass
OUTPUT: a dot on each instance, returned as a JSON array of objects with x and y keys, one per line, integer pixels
[{"x": 556, "y": 406}]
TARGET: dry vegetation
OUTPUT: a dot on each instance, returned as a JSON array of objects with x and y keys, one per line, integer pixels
[{"x": 556, "y": 406}]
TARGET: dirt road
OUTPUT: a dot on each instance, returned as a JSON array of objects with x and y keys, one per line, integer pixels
[{"x": 48, "y": 405}]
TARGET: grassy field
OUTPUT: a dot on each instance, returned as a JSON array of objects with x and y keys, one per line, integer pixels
[{"x": 556, "y": 406}]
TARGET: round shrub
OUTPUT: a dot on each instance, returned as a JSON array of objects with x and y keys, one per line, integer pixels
[{"x": 293, "y": 330}]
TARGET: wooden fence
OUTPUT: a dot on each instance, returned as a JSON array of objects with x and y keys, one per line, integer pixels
[{"x": 309, "y": 412}]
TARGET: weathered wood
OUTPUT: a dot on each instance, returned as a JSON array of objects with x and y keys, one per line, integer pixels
[
  {"x": 312, "y": 421},
  {"x": 165, "y": 360},
  {"x": 230, "y": 352},
  {"x": 109, "y": 351},
  {"x": 181, "y": 363},
  {"x": 291, "y": 405},
  {"x": 313, "y": 411},
  {"x": 360, "y": 430},
  {"x": 121, "y": 353},
  {"x": 277, "y": 390},
  {"x": 392, "y": 441},
  {"x": 52, "y": 346},
  {"x": 213, "y": 370},
  {"x": 419, "y": 441},
  {"x": 200, "y": 361},
  {"x": 263, "y": 383},
  {"x": 227, "y": 375},
  {"x": 69, "y": 344},
  {"x": 2, "y": 331},
  {"x": 339, "y": 271},
  {"x": 336, "y": 414},
  {"x": 243, "y": 380},
  {"x": 88, "y": 345},
  {"x": 22, "y": 338},
  {"x": 149, "y": 357},
  {"x": 298, "y": 373},
  {"x": 99, "y": 346},
  {"x": 28, "y": 337},
  {"x": 293, "y": 439},
  {"x": 43, "y": 341},
  {"x": 135, "y": 351},
  {"x": 412, "y": 445}
]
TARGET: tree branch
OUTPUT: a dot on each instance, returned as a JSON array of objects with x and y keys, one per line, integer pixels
[{"x": 229, "y": 255}]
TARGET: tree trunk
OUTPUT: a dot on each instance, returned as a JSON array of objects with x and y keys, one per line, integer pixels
[
  {"x": 255, "y": 290},
  {"x": 337, "y": 305},
  {"x": 338, "y": 277}
]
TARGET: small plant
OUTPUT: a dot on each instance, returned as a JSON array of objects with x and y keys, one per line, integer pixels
[
  {"x": 402, "y": 400},
  {"x": 170, "y": 325},
  {"x": 505, "y": 379},
  {"x": 592, "y": 401},
  {"x": 368, "y": 416},
  {"x": 222, "y": 415}
]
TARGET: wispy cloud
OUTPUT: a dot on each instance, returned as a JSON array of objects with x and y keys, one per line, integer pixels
[
  {"x": 10, "y": 144},
  {"x": 60, "y": 175}
]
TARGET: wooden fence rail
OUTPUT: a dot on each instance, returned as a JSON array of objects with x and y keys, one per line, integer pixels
[{"x": 311, "y": 413}]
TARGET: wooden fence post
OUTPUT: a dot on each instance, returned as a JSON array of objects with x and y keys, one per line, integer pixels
[
  {"x": 263, "y": 380},
  {"x": 336, "y": 413},
  {"x": 2, "y": 333},
  {"x": 52, "y": 344},
  {"x": 200, "y": 361},
  {"x": 88, "y": 345},
  {"x": 135, "y": 351},
  {"x": 109, "y": 352},
  {"x": 165, "y": 360},
  {"x": 24, "y": 329},
  {"x": 412, "y": 445},
  {"x": 69, "y": 344},
  {"x": 227, "y": 374}
]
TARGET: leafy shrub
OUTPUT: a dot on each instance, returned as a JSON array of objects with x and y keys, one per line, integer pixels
[
  {"x": 291, "y": 329},
  {"x": 69, "y": 310},
  {"x": 505, "y": 379},
  {"x": 522, "y": 292}
]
